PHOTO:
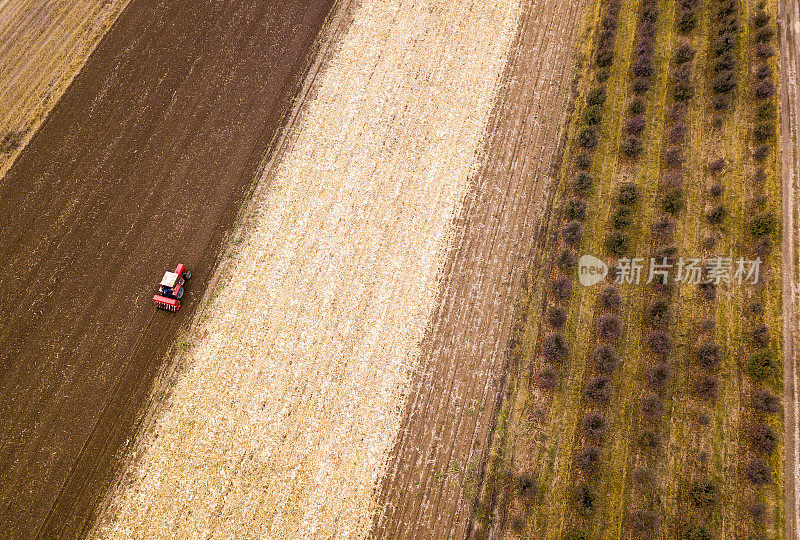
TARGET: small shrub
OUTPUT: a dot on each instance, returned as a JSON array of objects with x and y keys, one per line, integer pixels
[
  {"x": 697, "y": 531},
  {"x": 604, "y": 56},
  {"x": 572, "y": 233},
  {"x": 673, "y": 201},
  {"x": 764, "y": 132},
  {"x": 605, "y": 359},
  {"x": 597, "y": 96},
  {"x": 761, "y": 335},
  {"x": 721, "y": 102},
  {"x": 585, "y": 499},
  {"x": 667, "y": 252},
  {"x": 659, "y": 343},
  {"x": 716, "y": 166},
  {"x": 725, "y": 63},
  {"x": 652, "y": 406},
  {"x": 592, "y": 116},
  {"x": 766, "y": 111},
  {"x": 643, "y": 67},
  {"x": 764, "y": 35},
  {"x": 706, "y": 387},
  {"x": 636, "y": 124},
  {"x": 761, "y": 152},
  {"x": 594, "y": 425},
  {"x": 546, "y": 378},
  {"x": 648, "y": 440},
  {"x": 762, "y": 365},
  {"x": 584, "y": 161},
  {"x": 610, "y": 298},
  {"x": 575, "y": 210},
  {"x": 728, "y": 26},
  {"x": 762, "y": 224},
  {"x": 677, "y": 113},
  {"x": 709, "y": 243},
  {"x": 764, "y": 89},
  {"x": 642, "y": 476},
  {"x": 757, "y": 511},
  {"x": 724, "y": 44},
  {"x": 764, "y": 72},
  {"x": 682, "y": 91},
  {"x": 763, "y": 247},
  {"x": 602, "y": 75},
  {"x": 709, "y": 355},
  {"x": 724, "y": 82},
  {"x": 618, "y": 243},
  {"x": 582, "y": 184},
  {"x": 641, "y": 85},
  {"x": 677, "y": 133},
  {"x": 526, "y": 487},
  {"x": 764, "y": 401},
  {"x": 622, "y": 217},
  {"x": 628, "y": 194},
  {"x": 588, "y": 460},
  {"x": 716, "y": 214},
  {"x": 637, "y": 106},
  {"x": 658, "y": 311},
  {"x": 561, "y": 289},
  {"x": 762, "y": 438},
  {"x": 707, "y": 325},
  {"x": 703, "y": 494},
  {"x": 554, "y": 348},
  {"x": 760, "y": 19},
  {"x": 556, "y": 317},
  {"x": 716, "y": 190},
  {"x": 632, "y": 147},
  {"x": 664, "y": 227},
  {"x": 643, "y": 522},
  {"x": 703, "y": 419},
  {"x": 658, "y": 375},
  {"x": 758, "y": 472},
  {"x": 764, "y": 51},
  {"x": 567, "y": 260},
  {"x": 684, "y": 53},
  {"x": 609, "y": 327},
  {"x": 708, "y": 291},
  {"x": 576, "y": 534},
  {"x": 687, "y": 21},
  {"x": 673, "y": 157},
  {"x": 755, "y": 307},
  {"x": 588, "y": 138},
  {"x": 599, "y": 390}
]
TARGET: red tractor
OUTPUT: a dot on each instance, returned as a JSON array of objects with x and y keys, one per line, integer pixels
[{"x": 170, "y": 290}]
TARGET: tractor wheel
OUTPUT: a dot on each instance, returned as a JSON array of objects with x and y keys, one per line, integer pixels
[
  {"x": 187, "y": 275},
  {"x": 179, "y": 294}
]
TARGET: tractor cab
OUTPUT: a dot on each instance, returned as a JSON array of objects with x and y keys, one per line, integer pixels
[{"x": 170, "y": 290}]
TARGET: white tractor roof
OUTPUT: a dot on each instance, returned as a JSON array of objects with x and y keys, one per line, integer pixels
[{"x": 169, "y": 279}]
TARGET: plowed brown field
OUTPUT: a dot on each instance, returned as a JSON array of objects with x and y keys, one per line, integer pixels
[
  {"x": 143, "y": 163},
  {"x": 431, "y": 486},
  {"x": 43, "y": 45}
]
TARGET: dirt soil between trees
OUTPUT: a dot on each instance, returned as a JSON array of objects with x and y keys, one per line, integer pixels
[
  {"x": 142, "y": 164},
  {"x": 790, "y": 125}
]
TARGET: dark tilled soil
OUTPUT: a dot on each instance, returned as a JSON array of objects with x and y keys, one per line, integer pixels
[{"x": 142, "y": 164}]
